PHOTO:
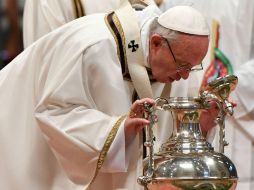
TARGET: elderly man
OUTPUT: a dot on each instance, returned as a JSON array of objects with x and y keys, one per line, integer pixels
[{"x": 65, "y": 98}]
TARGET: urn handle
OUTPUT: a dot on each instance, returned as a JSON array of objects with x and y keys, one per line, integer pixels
[{"x": 218, "y": 91}]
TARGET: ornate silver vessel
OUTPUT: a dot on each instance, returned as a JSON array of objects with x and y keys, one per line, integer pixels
[{"x": 186, "y": 161}]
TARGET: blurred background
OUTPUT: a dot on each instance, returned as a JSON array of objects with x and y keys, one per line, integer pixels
[{"x": 11, "y": 12}]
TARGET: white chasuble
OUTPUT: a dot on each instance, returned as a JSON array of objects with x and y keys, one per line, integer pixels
[
  {"x": 43, "y": 16},
  {"x": 63, "y": 100}
]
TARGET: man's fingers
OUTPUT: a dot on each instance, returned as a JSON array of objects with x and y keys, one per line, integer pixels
[
  {"x": 135, "y": 121},
  {"x": 138, "y": 121},
  {"x": 137, "y": 108},
  {"x": 133, "y": 126}
]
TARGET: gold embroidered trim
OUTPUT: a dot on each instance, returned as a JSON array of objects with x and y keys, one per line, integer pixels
[
  {"x": 78, "y": 8},
  {"x": 114, "y": 26},
  {"x": 117, "y": 32},
  {"x": 121, "y": 33},
  {"x": 113, "y": 34},
  {"x": 106, "y": 147}
]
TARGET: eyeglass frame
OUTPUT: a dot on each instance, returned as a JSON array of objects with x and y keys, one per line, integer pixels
[{"x": 183, "y": 67}]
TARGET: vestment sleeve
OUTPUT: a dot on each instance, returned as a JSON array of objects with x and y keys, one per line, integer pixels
[{"x": 79, "y": 109}]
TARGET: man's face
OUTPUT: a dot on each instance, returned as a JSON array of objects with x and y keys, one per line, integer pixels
[{"x": 173, "y": 60}]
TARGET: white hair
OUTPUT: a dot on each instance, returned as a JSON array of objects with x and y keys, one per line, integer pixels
[{"x": 156, "y": 28}]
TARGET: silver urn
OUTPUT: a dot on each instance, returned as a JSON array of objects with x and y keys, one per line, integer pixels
[{"x": 187, "y": 161}]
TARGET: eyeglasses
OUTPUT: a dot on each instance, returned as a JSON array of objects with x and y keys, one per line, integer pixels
[{"x": 183, "y": 67}]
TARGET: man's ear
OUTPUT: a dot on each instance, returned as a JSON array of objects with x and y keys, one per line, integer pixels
[{"x": 155, "y": 42}]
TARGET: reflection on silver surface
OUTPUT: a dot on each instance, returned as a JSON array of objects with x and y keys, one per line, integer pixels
[
  {"x": 165, "y": 184},
  {"x": 186, "y": 161}
]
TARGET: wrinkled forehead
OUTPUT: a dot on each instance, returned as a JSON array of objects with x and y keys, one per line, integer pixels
[
  {"x": 191, "y": 47},
  {"x": 189, "y": 40}
]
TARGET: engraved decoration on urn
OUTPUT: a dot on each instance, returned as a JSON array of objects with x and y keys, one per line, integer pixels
[{"x": 187, "y": 161}]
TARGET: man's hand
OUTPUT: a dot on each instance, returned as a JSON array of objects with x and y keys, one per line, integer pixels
[
  {"x": 208, "y": 117},
  {"x": 135, "y": 120}
]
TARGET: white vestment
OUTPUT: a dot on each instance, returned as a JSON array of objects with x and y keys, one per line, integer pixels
[
  {"x": 60, "y": 100},
  {"x": 43, "y": 16},
  {"x": 236, "y": 19}
]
